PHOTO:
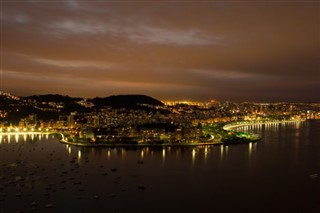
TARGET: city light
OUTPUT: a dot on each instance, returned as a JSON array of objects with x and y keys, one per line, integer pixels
[
  {"x": 186, "y": 122},
  {"x": 108, "y": 154},
  {"x": 221, "y": 151},
  {"x": 250, "y": 150},
  {"x": 205, "y": 152},
  {"x": 204, "y": 106}
]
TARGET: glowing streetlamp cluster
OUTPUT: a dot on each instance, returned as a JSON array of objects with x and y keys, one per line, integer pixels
[{"x": 19, "y": 130}]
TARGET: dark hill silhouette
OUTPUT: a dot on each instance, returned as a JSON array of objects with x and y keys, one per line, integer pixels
[
  {"x": 53, "y": 98},
  {"x": 69, "y": 103},
  {"x": 126, "y": 101},
  {"x": 4, "y": 101}
]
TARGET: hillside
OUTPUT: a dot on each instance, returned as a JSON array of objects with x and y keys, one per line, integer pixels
[{"x": 126, "y": 101}]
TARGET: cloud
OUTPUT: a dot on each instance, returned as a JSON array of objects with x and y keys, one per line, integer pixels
[
  {"x": 140, "y": 33},
  {"x": 71, "y": 28},
  {"x": 71, "y": 84},
  {"x": 74, "y": 64},
  {"x": 15, "y": 17},
  {"x": 226, "y": 74},
  {"x": 147, "y": 34},
  {"x": 199, "y": 50},
  {"x": 72, "y": 3}
]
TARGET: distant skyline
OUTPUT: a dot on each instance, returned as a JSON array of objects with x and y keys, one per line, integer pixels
[{"x": 171, "y": 50}]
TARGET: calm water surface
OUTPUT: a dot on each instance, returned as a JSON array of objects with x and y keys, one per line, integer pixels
[{"x": 278, "y": 174}]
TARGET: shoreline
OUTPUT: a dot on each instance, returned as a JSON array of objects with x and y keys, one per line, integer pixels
[
  {"x": 154, "y": 145},
  {"x": 226, "y": 143},
  {"x": 229, "y": 127},
  {"x": 26, "y": 133}
]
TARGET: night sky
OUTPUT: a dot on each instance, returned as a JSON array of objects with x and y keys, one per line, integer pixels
[{"x": 238, "y": 51}]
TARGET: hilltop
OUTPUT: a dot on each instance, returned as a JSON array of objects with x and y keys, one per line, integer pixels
[
  {"x": 126, "y": 101},
  {"x": 50, "y": 106}
]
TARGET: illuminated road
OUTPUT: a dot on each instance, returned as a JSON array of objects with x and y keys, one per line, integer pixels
[
  {"x": 236, "y": 125},
  {"x": 26, "y": 133}
]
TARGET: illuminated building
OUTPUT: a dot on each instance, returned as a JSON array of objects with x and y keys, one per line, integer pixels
[
  {"x": 70, "y": 121},
  {"x": 96, "y": 122},
  {"x": 22, "y": 124}
]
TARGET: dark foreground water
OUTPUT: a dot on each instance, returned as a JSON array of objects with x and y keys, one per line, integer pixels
[{"x": 278, "y": 174}]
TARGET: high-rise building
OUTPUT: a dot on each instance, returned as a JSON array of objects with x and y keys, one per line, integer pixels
[
  {"x": 199, "y": 130},
  {"x": 42, "y": 124},
  {"x": 96, "y": 122},
  {"x": 32, "y": 120},
  {"x": 22, "y": 124},
  {"x": 70, "y": 121}
]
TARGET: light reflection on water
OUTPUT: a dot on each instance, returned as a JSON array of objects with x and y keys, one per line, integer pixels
[
  {"x": 18, "y": 137},
  {"x": 221, "y": 151},
  {"x": 203, "y": 151},
  {"x": 69, "y": 151},
  {"x": 193, "y": 156},
  {"x": 123, "y": 153},
  {"x": 163, "y": 153},
  {"x": 227, "y": 151},
  {"x": 146, "y": 153},
  {"x": 206, "y": 152},
  {"x": 50, "y": 172},
  {"x": 109, "y": 154}
]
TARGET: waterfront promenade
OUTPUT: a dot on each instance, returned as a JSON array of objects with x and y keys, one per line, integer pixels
[
  {"x": 26, "y": 133},
  {"x": 235, "y": 125}
]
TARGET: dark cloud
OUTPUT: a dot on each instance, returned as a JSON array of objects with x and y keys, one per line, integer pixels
[{"x": 260, "y": 51}]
